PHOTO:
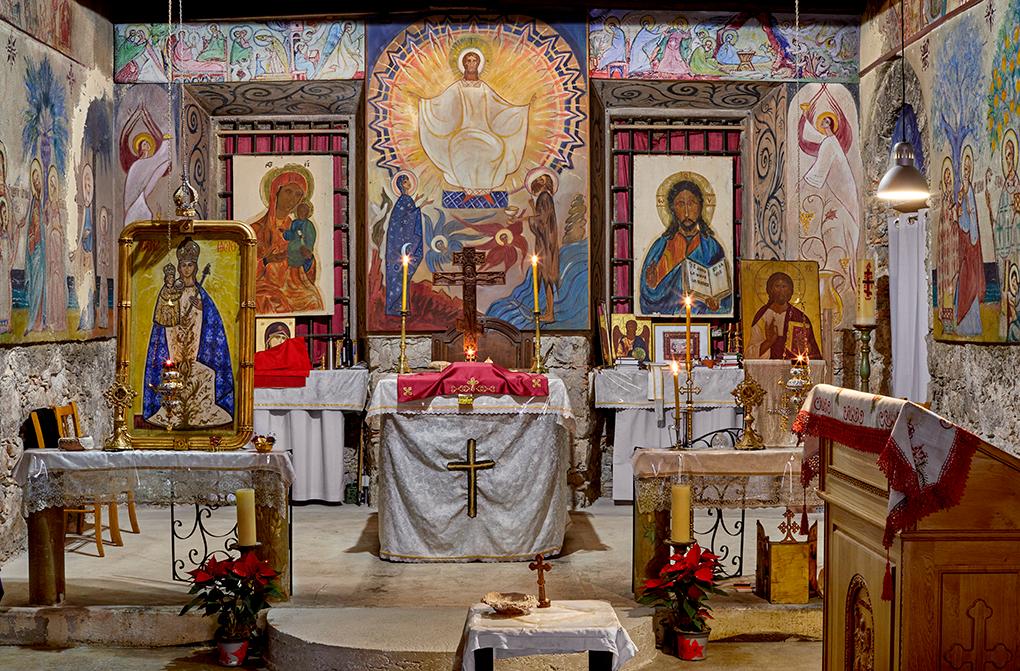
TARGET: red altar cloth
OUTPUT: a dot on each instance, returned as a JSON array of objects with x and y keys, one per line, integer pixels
[
  {"x": 285, "y": 365},
  {"x": 466, "y": 377}
]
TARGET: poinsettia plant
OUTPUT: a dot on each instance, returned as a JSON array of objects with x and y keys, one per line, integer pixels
[
  {"x": 683, "y": 587},
  {"x": 234, "y": 590}
]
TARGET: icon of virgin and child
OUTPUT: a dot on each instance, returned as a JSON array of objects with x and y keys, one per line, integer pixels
[
  {"x": 687, "y": 257},
  {"x": 188, "y": 329}
]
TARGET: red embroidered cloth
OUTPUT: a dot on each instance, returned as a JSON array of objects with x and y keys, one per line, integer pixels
[
  {"x": 285, "y": 365},
  {"x": 925, "y": 458},
  {"x": 466, "y": 377}
]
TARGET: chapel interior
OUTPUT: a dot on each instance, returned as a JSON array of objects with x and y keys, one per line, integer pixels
[{"x": 510, "y": 335}]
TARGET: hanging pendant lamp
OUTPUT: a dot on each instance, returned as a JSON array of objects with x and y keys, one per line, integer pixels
[{"x": 903, "y": 183}]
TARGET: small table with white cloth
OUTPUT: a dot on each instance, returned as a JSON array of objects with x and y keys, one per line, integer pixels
[
  {"x": 521, "y": 500},
  {"x": 563, "y": 627},
  {"x": 309, "y": 421},
  {"x": 643, "y": 401},
  {"x": 52, "y": 480}
]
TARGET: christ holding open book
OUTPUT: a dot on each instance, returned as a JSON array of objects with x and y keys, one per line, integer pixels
[{"x": 685, "y": 258}]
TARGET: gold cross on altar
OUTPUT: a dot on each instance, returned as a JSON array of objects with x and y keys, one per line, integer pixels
[
  {"x": 541, "y": 565},
  {"x": 472, "y": 467}
]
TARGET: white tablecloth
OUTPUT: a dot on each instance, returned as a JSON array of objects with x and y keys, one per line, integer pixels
[
  {"x": 52, "y": 478},
  {"x": 644, "y": 418},
  {"x": 521, "y": 502},
  {"x": 309, "y": 421},
  {"x": 564, "y": 627}
]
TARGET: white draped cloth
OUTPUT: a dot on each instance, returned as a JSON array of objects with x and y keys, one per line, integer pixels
[
  {"x": 910, "y": 308},
  {"x": 563, "y": 627},
  {"x": 521, "y": 501},
  {"x": 309, "y": 421}
]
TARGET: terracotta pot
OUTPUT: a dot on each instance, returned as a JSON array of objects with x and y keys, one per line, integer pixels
[
  {"x": 232, "y": 653},
  {"x": 691, "y": 646}
]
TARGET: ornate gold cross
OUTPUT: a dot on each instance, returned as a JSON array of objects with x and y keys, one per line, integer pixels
[
  {"x": 541, "y": 566},
  {"x": 472, "y": 467}
]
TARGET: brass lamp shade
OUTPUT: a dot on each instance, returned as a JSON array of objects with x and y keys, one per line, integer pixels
[{"x": 903, "y": 183}]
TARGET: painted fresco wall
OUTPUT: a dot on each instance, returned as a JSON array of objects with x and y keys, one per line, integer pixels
[
  {"x": 699, "y": 45},
  {"x": 962, "y": 87},
  {"x": 477, "y": 134},
  {"x": 56, "y": 112},
  {"x": 239, "y": 52}
]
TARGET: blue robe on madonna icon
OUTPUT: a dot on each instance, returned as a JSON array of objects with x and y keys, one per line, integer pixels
[
  {"x": 662, "y": 294},
  {"x": 404, "y": 228},
  {"x": 215, "y": 401}
]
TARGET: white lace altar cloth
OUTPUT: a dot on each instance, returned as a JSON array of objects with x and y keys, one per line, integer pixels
[
  {"x": 57, "y": 478},
  {"x": 556, "y": 404},
  {"x": 722, "y": 478},
  {"x": 563, "y": 627},
  {"x": 341, "y": 389},
  {"x": 621, "y": 388},
  {"x": 521, "y": 502}
]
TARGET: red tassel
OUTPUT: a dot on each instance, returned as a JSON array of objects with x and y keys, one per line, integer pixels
[{"x": 887, "y": 586}]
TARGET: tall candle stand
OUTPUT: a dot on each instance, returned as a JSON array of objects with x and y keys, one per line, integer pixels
[
  {"x": 536, "y": 360},
  {"x": 864, "y": 330},
  {"x": 402, "y": 366},
  {"x": 690, "y": 389}
]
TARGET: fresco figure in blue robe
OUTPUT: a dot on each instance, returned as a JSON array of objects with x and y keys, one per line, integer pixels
[
  {"x": 35, "y": 254},
  {"x": 644, "y": 47},
  {"x": 403, "y": 236},
  {"x": 198, "y": 344},
  {"x": 616, "y": 52},
  {"x": 688, "y": 236}
]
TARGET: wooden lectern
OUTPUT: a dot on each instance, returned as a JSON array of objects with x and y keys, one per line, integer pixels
[{"x": 956, "y": 574}]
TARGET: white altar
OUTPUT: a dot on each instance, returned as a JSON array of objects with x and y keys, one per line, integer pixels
[
  {"x": 520, "y": 499},
  {"x": 309, "y": 421},
  {"x": 644, "y": 401}
]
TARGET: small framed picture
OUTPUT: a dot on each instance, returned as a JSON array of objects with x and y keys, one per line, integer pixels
[
  {"x": 671, "y": 342},
  {"x": 632, "y": 337},
  {"x": 272, "y": 331}
]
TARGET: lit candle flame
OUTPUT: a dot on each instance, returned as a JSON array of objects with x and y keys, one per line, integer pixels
[
  {"x": 688, "y": 301},
  {"x": 534, "y": 259},
  {"x": 674, "y": 366},
  {"x": 801, "y": 358},
  {"x": 405, "y": 259}
]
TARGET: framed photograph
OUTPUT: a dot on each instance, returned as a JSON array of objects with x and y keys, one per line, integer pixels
[
  {"x": 272, "y": 331},
  {"x": 780, "y": 308},
  {"x": 632, "y": 337},
  {"x": 671, "y": 342},
  {"x": 288, "y": 202},
  {"x": 683, "y": 235},
  {"x": 187, "y": 295}
]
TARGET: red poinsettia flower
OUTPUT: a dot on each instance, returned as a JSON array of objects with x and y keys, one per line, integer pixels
[
  {"x": 218, "y": 569},
  {"x": 690, "y": 649},
  {"x": 201, "y": 576},
  {"x": 704, "y": 574}
]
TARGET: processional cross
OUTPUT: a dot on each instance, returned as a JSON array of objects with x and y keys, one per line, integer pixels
[
  {"x": 541, "y": 565},
  {"x": 471, "y": 466},
  {"x": 469, "y": 277}
]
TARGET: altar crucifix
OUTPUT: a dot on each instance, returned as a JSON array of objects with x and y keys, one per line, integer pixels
[
  {"x": 471, "y": 466},
  {"x": 469, "y": 277}
]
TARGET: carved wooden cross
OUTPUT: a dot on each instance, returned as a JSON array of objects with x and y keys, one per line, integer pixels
[
  {"x": 541, "y": 566},
  {"x": 471, "y": 466},
  {"x": 978, "y": 655},
  {"x": 789, "y": 527},
  {"x": 469, "y": 278}
]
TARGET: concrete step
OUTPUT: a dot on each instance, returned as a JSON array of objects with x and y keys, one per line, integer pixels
[{"x": 423, "y": 639}]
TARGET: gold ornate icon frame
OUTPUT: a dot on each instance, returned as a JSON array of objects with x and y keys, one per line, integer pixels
[{"x": 134, "y": 240}]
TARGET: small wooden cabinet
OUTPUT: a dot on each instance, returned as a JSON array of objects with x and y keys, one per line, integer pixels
[{"x": 956, "y": 576}]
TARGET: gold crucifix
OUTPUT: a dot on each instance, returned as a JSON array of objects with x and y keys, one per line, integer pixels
[
  {"x": 472, "y": 467},
  {"x": 541, "y": 565}
]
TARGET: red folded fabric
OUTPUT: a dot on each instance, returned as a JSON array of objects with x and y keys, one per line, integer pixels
[
  {"x": 466, "y": 377},
  {"x": 285, "y": 365}
]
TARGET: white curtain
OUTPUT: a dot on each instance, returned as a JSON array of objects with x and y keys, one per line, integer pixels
[{"x": 908, "y": 297}]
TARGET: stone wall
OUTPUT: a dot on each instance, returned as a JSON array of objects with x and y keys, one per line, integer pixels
[{"x": 40, "y": 376}]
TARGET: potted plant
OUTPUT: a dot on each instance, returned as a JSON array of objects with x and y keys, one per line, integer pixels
[
  {"x": 234, "y": 590},
  {"x": 683, "y": 588}
]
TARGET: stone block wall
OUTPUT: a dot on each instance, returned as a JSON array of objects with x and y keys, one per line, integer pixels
[{"x": 40, "y": 376}]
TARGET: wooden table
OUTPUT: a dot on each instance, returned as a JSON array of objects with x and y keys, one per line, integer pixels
[{"x": 55, "y": 479}]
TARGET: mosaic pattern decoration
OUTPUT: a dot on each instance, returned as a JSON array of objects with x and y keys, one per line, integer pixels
[
  {"x": 476, "y": 133},
  {"x": 698, "y": 46},
  {"x": 240, "y": 52}
]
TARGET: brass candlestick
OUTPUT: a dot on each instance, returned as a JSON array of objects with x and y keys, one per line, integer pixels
[
  {"x": 536, "y": 360},
  {"x": 865, "y": 334},
  {"x": 690, "y": 389},
  {"x": 402, "y": 367},
  {"x": 749, "y": 394},
  {"x": 120, "y": 396}
]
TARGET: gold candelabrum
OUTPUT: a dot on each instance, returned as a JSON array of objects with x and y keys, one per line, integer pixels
[
  {"x": 169, "y": 392},
  {"x": 402, "y": 366},
  {"x": 796, "y": 388},
  {"x": 749, "y": 395},
  {"x": 536, "y": 359},
  {"x": 689, "y": 389},
  {"x": 120, "y": 396},
  {"x": 864, "y": 331}
]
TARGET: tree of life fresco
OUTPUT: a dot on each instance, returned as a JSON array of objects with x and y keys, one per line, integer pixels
[{"x": 476, "y": 132}]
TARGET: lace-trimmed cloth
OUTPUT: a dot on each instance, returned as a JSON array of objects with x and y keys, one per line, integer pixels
[{"x": 51, "y": 478}]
